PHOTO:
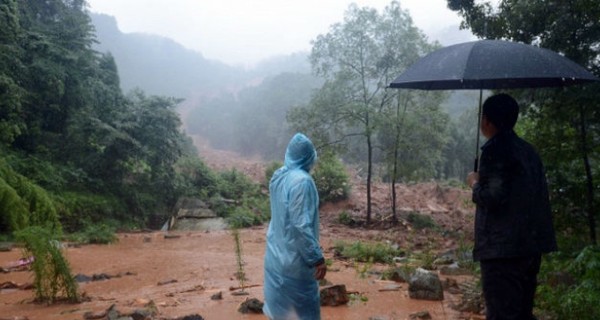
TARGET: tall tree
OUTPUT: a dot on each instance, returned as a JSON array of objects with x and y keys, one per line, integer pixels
[
  {"x": 358, "y": 58},
  {"x": 573, "y": 29}
]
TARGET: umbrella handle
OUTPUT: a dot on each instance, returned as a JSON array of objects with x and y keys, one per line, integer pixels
[{"x": 476, "y": 165}]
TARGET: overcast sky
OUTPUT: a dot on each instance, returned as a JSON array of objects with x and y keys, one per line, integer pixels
[{"x": 243, "y": 32}]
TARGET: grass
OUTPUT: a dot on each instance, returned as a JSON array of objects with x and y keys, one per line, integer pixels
[{"x": 367, "y": 252}]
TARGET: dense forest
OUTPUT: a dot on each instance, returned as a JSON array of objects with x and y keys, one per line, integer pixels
[{"x": 81, "y": 150}]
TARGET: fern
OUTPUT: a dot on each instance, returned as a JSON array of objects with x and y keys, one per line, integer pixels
[{"x": 53, "y": 279}]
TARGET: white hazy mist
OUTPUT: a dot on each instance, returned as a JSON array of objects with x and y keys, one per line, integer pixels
[{"x": 244, "y": 32}]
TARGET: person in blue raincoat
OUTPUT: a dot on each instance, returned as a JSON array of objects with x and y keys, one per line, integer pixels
[{"x": 293, "y": 258}]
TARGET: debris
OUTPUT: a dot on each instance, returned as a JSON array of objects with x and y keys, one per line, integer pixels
[
  {"x": 252, "y": 305},
  {"x": 422, "y": 315},
  {"x": 162, "y": 283},
  {"x": 334, "y": 296},
  {"x": 244, "y": 287},
  {"x": 217, "y": 296}
]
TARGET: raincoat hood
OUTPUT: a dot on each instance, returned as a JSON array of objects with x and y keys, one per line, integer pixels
[{"x": 300, "y": 153}]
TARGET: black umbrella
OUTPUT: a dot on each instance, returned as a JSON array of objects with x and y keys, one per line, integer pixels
[{"x": 491, "y": 64}]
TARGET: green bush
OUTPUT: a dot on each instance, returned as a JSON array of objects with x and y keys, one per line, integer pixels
[
  {"x": 420, "y": 221},
  {"x": 574, "y": 299},
  {"x": 270, "y": 170},
  {"x": 95, "y": 234},
  {"x": 331, "y": 179},
  {"x": 24, "y": 203},
  {"x": 78, "y": 210},
  {"x": 345, "y": 218},
  {"x": 367, "y": 252},
  {"x": 53, "y": 278}
]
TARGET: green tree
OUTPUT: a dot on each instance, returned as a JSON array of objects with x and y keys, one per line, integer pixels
[
  {"x": 358, "y": 58},
  {"x": 573, "y": 29}
]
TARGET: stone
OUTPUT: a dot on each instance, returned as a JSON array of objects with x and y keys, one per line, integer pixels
[
  {"x": 425, "y": 285},
  {"x": 334, "y": 295},
  {"x": 455, "y": 270},
  {"x": 422, "y": 315},
  {"x": 252, "y": 305}
]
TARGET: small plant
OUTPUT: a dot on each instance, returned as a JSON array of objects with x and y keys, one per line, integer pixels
[
  {"x": 270, "y": 170},
  {"x": 240, "y": 273},
  {"x": 331, "y": 178},
  {"x": 358, "y": 297},
  {"x": 363, "y": 268},
  {"x": 420, "y": 221},
  {"x": 345, "y": 218},
  {"x": 53, "y": 277},
  {"x": 95, "y": 234},
  {"x": 365, "y": 252}
]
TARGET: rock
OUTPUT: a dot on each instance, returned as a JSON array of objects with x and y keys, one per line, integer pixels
[
  {"x": 162, "y": 283},
  {"x": 334, "y": 295},
  {"x": 443, "y": 260},
  {"x": 399, "y": 275},
  {"x": 6, "y": 246},
  {"x": 192, "y": 317},
  {"x": 455, "y": 270},
  {"x": 217, "y": 296},
  {"x": 422, "y": 315},
  {"x": 425, "y": 285},
  {"x": 141, "y": 314},
  {"x": 251, "y": 306},
  {"x": 82, "y": 278},
  {"x": 94, "y": 315}
]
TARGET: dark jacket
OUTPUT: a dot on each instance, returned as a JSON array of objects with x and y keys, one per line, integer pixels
[{"x": 513, "y": 217}]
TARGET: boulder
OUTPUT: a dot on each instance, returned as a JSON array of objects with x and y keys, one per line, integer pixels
[
  {"x": 425, "y": 285},
  {"x": 334, "y": 295}
]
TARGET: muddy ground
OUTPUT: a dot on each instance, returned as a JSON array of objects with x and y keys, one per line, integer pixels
[{"x": 180, "y": 271}]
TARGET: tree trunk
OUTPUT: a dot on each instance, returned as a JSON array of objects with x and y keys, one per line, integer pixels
[
  {"x": 369, "y": 168},
  {"x": 399, "y": 122},
  {"x": 588, "y": 175}
]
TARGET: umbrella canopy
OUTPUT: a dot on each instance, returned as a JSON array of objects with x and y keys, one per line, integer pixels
[{"x": 492, "y": 64}]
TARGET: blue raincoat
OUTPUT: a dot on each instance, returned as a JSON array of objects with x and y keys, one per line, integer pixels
[{"x": 292, "y": 250}]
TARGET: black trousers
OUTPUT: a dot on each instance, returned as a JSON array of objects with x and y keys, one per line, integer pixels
[{"x": 509, "y": 287}]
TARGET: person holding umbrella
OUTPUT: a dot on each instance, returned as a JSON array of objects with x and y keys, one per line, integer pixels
[{"x": 513, "y": 220}]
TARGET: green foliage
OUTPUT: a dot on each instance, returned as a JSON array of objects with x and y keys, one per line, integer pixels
[
  {"x": 53, "y": 278},
  {"x": 239, "y": 200},
  {"x": 331, "y": 179},
  {"x": 242, "y": 217},
  {"x": 24, "y": 203},
  {"x": 95, "y": 234},
  {"x": 571, "y": 299},
  {"x": 345, "y": 218},
  {"x": 194, "y": 178},
  {"x": 240, "y": 273},
  {"x": 79, "y": 210},
  {"x": 365, "y": 252},
  {"x": 270, "y": 170},
  {"x": 421, "y": 221}
]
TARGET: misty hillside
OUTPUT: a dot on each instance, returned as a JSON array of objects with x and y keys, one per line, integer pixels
[
  {"x": 156, "y": 64},
  {"x": 161, "y": 66}
]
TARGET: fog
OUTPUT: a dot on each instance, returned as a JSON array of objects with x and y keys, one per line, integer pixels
[{"x": 244, "y": 32}]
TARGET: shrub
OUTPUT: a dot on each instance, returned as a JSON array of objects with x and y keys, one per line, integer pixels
[
  {"x": 270, "y": 170},
  {"x": 331, "y": 178},
  {"x": 95, "y": 234},
  {"x": 420, "y": 221},
  {"x": 575, "y": 299},
  {"x": 25, "y": 203},
  {"x": 367, "y": 252},
  {"x": 53, "y": 277},
  {"x": 345, "y": 218}
]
